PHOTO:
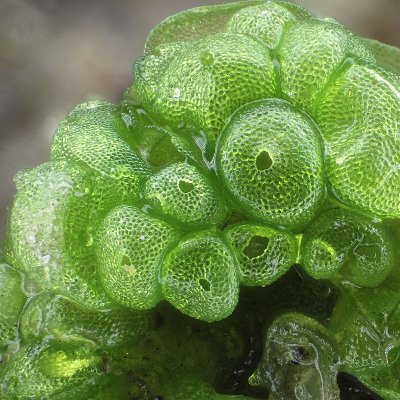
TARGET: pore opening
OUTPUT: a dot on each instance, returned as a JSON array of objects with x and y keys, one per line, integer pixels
[
  {"x": 300, "y": 355},
  {"x": 263, "y": 161},
  {"x": 205, "y": 285},
  {"x": 125, "y": 260},
  {"x": 256, "y": 246},
  {"x": 185, "y": 187}
]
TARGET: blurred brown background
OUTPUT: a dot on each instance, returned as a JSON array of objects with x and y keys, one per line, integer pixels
[{"x": 55, "y": 54}]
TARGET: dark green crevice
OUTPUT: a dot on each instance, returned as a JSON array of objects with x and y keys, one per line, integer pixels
[
  {"x": 256, "y": 246},
  {"x": 205, "y": 285},
  {"x": 125, "y": 261},
  {"x": 232, "y": 347},
  {"x": 263, "y": 161},
  {"x": 185, "y": 186},
  {"x": 352, "y": 389}
]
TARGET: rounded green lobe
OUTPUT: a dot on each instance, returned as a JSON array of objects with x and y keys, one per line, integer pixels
[
  {"x": 94, "y": 135},
  {"x": 365, "y": 323},
  {"x": 307, "y": 65},
  {"x": 183, "y": 193},
  {"x": 135, "y": 185},
  {"x": 199, "y": 84},
  {"x": 359, "y": 116},
  {"x": 342, "y": 245},
  {"x": 270, "y": 159},
  {"x": 45, "y": 368},
  {"x": 48, "y": 235},
  {"x": 263, "y": 253},
  {"x": 47, "y": 315},
  {"x": 200, "y": 277},
  {"x": 195, "y": 23},
  {"x": 265, "y": 22},
  {"x": 130, "y": 246}
]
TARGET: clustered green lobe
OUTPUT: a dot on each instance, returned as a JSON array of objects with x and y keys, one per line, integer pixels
[{"x": 254, "y": 137}]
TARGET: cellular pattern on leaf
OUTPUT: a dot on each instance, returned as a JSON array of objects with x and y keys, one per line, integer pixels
[{"x": 255, "y": 137}]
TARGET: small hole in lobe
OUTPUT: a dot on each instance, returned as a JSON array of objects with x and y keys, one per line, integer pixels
[
  {"x": 256, "y": 246},
  {"x": 205, "y": 285},
  {"x": 185, "y": 187},
  {"x": 126, "y": 260},
  {"x": 263, "y": 161}
]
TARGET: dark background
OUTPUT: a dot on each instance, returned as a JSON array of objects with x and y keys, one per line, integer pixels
[{"x": 55, "y": 54}]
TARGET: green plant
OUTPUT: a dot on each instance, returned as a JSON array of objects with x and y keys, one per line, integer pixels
[{"x": 255, "y": 139}]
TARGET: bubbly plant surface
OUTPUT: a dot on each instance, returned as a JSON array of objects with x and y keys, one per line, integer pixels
[{"x": 228, "y": 231}]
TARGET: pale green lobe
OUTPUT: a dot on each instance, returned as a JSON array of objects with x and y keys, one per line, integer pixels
[
  {"x": 156, "y": 145},
  {"x": 359, "y": 116},
  {"x": 41, "y": 369},
  {"x": 182, "y": 192},
  {"x": 52, "y": 315},
  {"x": 200, "y": 277},
  {"x": 12, "y": 300},
  {"x": 264, "y": 254},
  {"x": 254, "y": 137},
  {"x": 130, "y": 246},
  {"x": 298, "y": 361},
  {"x": 94, "y": 134},
  {"x": 270, "y": 160},
  {"x": 387, "y": 57},
  {"x": 265, "y": 22},
  {"x": 195, "y": 23},
  {"x": 295, "y": 9},
  {"x": 199, "y": 84},
  {"x": 341, "y": 245},
  {"x": 311, "y": 52},
  {"x": 365, "y": 323},
  {"x": 47, "y": 234}
]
